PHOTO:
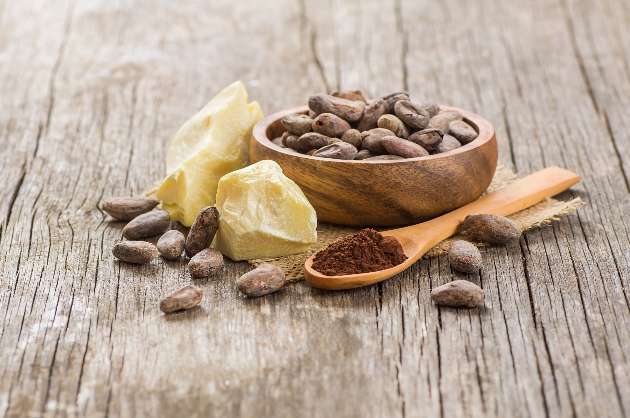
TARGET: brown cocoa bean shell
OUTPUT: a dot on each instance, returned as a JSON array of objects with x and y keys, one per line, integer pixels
[
  {"x": 330, "y": 125},
  {"x": 353, "y": 95},
  {"x": 394, "y": 98},
  {"x": 412, "y": 114},
  {"x": 311, "y": 151},
  {"x": 432, "y": 108},
  {"x": 352, "y": 137},
  {"x": 429, "y": 139},
  {"x": 135, "y": 252},
  {"x": 365, "y": 154},
  {"x": 312, "y": 140},
  {"x": 338, "y": 151},
  {"x": 291, "y": 141},
  {"x": 297, "y": 124},
  {"x": 448, "y": 143},
  {"x": 462, "y": 131},
  {"x": 491, "y": 228},
  {"x": 403, "y": 148},
  {"x": 127, "y": 208},
  {"x": 439, "y": 122},
  {"x": 451, "y": 115},
  {"x": 458, "y": 293},
  {"x": 372, "y": 113},
  {"x": 348, "y": 110},
  {"x": 202, "y": 231},
  {"x": 171, "y": 244},
  {"x": 372, "y": 140},
  {"x": 205, "y": 263},
  {"x": 394, "y": 124},
  {"x": 147, "y": 225},
  {"x": 263, "y": 280},
  {"x": 185, "y": 298},
  {"x": 465, "y": 257}
]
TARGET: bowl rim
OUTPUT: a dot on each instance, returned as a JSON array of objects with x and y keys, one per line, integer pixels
[{"x": 485, "y": 134}]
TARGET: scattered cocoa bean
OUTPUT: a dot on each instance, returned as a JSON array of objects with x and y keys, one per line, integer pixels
[
  {"x": 372, "y": 140},
  {"x": 429, "y": 139},
  {"x": 338, "y": 151},
  {"x": 171, "y": 244},
  {"x": 350, "y": 111},
  {"x": 491, "y": 228},
  {"x": 462, "y": 131},
  {"x": 135, "y": 252},
  {"x": 451, "y": 115},
  {"x": 432, "y": 108},
  {"x": 385, "y": 157},
  {"x": 439, "y": 122},
  {"x": 364, "y": 154},
  {"x": 278, "y": 141},
  {"x": 352, "y": 137},
  {"x": 464, "y": 257},
  {"x": 412, "y": 114},
  {"x": 330, "y": 125},
  {"x": 312, "y": 140},
  {"x": 147, "y": 225},
  {"x": 458, "y": 293},
  {"x": 403, "y": 148},
  {"x": 265, "y": 279},
  {"x": 354, "y": 95},
  {"x": 372, "y": 113},
  {"x": 205, "y": 263},
  {"x": 394, "y": 124},
  {"x": 297, "y": 124},
  {"x": 448, "y": 143},
  {"x": 394, "y": 98},
  {"x": 185, "y": 298},
  {"x": 127, "y": 208},
  {"x": 202, "y": 230}
]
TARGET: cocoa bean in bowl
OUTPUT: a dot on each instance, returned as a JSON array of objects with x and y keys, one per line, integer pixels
[{"x": 410, "y": 180}]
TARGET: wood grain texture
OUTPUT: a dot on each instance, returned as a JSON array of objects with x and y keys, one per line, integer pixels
[{"x": 91, "y": 93}]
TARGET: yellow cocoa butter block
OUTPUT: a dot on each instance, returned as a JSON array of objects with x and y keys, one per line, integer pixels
[
  {"x": 209, "y": 145},
  {"x": 263, "y": 214}
]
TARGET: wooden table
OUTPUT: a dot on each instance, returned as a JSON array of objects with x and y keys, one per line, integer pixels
[{"x": 91, "y": 92}]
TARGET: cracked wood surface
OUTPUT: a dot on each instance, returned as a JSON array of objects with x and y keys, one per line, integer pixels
[{"x": 91, "y": 93}]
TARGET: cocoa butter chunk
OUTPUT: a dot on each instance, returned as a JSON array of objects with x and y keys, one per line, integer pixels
[
  {"x": 464, "y": 257},
  {"x": 491, "y": 228},
  {"x": 185, "y": 298},
  {"x": 364, "y": 154},
  {"x": 202, "y": 231},
  {"x": 386, "y": 157},
  {"x": 337, "y": 151},
  {"x": 297, "y": 124},
  {"x": 462, "y": 131},
  {"x": 439, "y": 122},
  {"x": 393, "y": 124},
  {"x": 205, "y": 263},
  {"x": 127, "y": 208},
  {"x": 448, "y": 143},
  {"x": 372, "y": 140},
  {"x": 429, "y": 139},
  {"x": 432, "y": 108},
  {"x": 372, "y": 113},
  {"x": 458, "y": 293},
  {"x": 403, "y": 148},
  {"x": 352, "y": 137},
  {"x": 265, "y": 279},
  {"x": 171, "y": 244},
  {"x": 312, "y": 140},
  {"x": 412, "y": 114},
  {"x": 451, "y": 115},
  {"x": 135, "y": 252},
  {"x": 348, "y": 110},
  {"x": 394, "y": 98},
  {"x": 354, "y": 95},
  {"x": 147, "y": 225},
  {"x": 330, "y": 125}
]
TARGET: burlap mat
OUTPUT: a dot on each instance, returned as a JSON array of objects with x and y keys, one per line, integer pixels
[{"x": 540, "y": 214}]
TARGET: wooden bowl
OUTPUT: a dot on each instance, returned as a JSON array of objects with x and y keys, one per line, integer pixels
[{"x": 384, "y": 193}]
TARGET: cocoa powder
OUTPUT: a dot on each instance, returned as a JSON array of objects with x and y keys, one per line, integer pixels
[{"x": 361, "y": 253}]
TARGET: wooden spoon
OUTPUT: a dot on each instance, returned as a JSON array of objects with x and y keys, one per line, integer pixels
[{"x": 416, "y": 240}]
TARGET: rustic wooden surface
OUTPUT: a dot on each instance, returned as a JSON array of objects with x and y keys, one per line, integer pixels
[{"x": 91, "y": 93}]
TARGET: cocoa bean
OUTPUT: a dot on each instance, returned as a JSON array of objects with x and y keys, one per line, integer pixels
[
  {"x": 265, "y": 279},
  {"x": 297, "y": 124},
  {"x": 448, "y": 143},
  {"x": 312, "y": 140},
  {"x": 458, "y": 293},
  {"x": 429, "y": 139},
  {"x": 372, "y": 140},
  {"x": 385, "y": 157},
  {"x": 202, "y": 230},
  {"x": 171, "y": 244},
  {"x": 394, "y": 98},
  {"x": 352, "y": 137},
  {"x": 432, "y": 108},
  {"x": 135, "y": 252},
  {"x": 127, "y": 208},
  {"x": 394, "y": 124},
  {"x": 451, "y": 115},
  {"x": 311, "y": 151},
  {"x": 350, "y": 111},
  {"x": 372, "y": 113},
  {"x": 403, "y": 148},
  {"x": 205, "y": 263},
  {"x": 185, "y": 298},
  {"x": 147, "y": 225},
  {"x": 364, "y": 154},
  {"x": 278, "y": 141},
  {"x": 353, "y": 95},
  {"x": 330, "y": 125},
  {"x": 291, "y": 141},
  {"x": 337, "y": 151},
  {"x": 412, "y": 114},
  {"x": 439, "y": 122},
  {"x": 464, "y": 257},
  {"x": 462, "y": 131},
  {"x": 491, "y": 228}
]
